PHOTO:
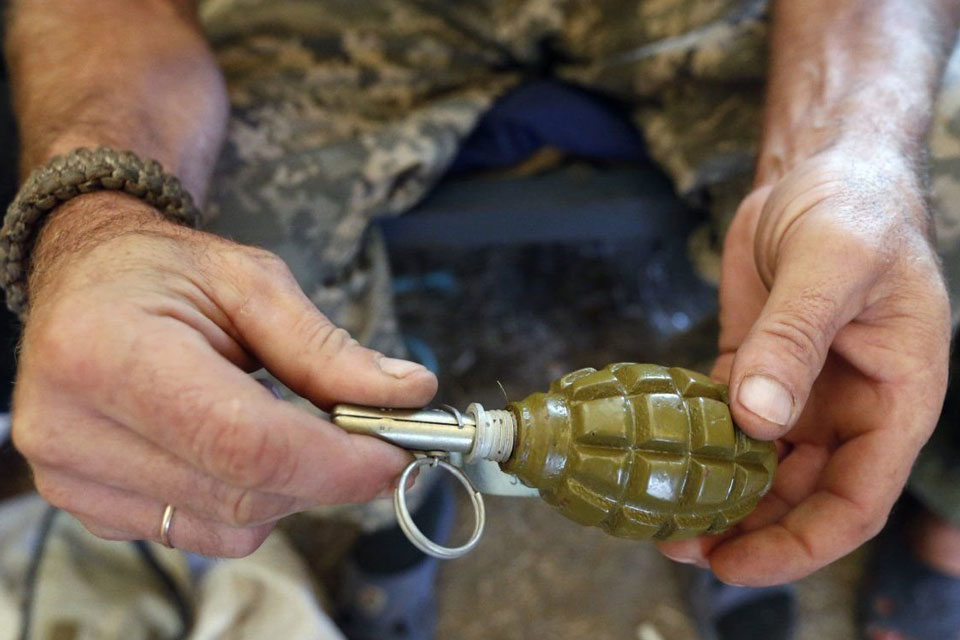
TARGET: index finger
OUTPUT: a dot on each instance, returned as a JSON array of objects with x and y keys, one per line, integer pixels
[
  {"x": 208, "y": 412},
  {"x": 849, "y": 506}
]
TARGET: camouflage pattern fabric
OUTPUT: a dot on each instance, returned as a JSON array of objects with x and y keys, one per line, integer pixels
[{"x": 347, "y": 111}]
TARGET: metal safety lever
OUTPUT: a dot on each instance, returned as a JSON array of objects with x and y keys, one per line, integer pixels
[{"x": 443, "y": 429}]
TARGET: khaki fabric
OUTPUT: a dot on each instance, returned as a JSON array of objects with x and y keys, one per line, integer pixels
[{"x": 92, "y": 589}]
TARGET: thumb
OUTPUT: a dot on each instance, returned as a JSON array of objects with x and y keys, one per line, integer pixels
[
  {"x": 286, "y": 332},
  {"x": 814, "y": 294}
]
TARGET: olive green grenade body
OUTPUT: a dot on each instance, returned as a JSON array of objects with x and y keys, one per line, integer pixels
[{"x": 640, "y": 450}]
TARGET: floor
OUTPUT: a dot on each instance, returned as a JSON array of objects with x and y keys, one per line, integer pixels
[{"x": 536, "y": 575}]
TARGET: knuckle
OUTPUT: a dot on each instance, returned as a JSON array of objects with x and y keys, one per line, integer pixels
[
  {"x": 872, "y": 528},
  {"x": 322, "y": 338},
  {"x": 268, "y": 265},
  {"x": 53, "y": 455},
  {"x": 864, "y": 527},
  {"x": 804, "y": 327},
  {"x": 239, "y": 509},
  {"x": 866, "y": 518},
  {"x": 246, "y": 543},
  {"x": 324, "y": 341},
  {"x": 104, "y": 533},
  {"x": 795, "y": 339},
  {"x": 37, "y": 440},
  {"x": 238, "y": 451},
  {"x": 254, "y": 275},
  {"x": 57, "y": 493},
  {"x": 61, "y": 350},
  {"x": 238, "y": 543},
  {"x": 873, "y": 519},
  {"x": 28, "y": 437},
  {"x": 247, "y": 508}
]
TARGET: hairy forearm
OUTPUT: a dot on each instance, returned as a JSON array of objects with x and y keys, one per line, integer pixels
[
  {"x": 132, "y": 75},
  {"x": 862, "y": 73}
]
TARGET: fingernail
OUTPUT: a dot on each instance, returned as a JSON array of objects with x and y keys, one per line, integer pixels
[
  {"x": 400, "y": 368},
  {"x": 767, "y": 398}
]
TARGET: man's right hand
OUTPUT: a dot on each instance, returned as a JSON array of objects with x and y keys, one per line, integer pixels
[{"x": 133, "y": 393}]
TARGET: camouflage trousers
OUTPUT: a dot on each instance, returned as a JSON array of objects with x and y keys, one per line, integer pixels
[{"x": 346, "y": 111}]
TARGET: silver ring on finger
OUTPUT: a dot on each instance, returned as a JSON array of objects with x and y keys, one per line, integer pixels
[{"x": 165, "y": 523}]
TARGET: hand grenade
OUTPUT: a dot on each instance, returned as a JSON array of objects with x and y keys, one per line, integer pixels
[{"x": 640, "y": 450}]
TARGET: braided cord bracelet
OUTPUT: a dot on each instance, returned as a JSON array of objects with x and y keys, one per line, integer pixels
[{"x": 64, "y": 177}]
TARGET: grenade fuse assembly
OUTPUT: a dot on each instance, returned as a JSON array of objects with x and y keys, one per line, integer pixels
[{"x": 640, "y": 450}]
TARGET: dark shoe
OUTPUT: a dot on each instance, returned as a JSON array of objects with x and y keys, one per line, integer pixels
[
  {"x": 902, "y": 595},
  {"x": 725, "y": 612},
  {"x": 376, "y": 602}
]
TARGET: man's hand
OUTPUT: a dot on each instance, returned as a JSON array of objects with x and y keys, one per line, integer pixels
[
  {"x": 834, "y": 337},
  {"x": 133, "y": 393}
]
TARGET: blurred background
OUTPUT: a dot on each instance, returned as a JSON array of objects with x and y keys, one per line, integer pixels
[{"x": 11, "y": 466}]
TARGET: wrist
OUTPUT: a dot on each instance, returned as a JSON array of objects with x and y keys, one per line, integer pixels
[
  {"x": 90, "y": 217},
  {"x": 85, "y": 222},
  {"x": 847, "y": 150},
  {"x": 64, "y": 178},
  {"x": 835, "y": 80}
]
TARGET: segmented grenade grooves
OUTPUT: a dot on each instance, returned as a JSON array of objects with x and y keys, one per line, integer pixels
[{"x": 641, "y": 450}]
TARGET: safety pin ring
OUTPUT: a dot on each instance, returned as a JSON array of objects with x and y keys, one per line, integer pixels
[{"x": 409, "y": 527}]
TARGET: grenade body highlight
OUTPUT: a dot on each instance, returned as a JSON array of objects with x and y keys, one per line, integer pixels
[{"x": 640, "y": 450}]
